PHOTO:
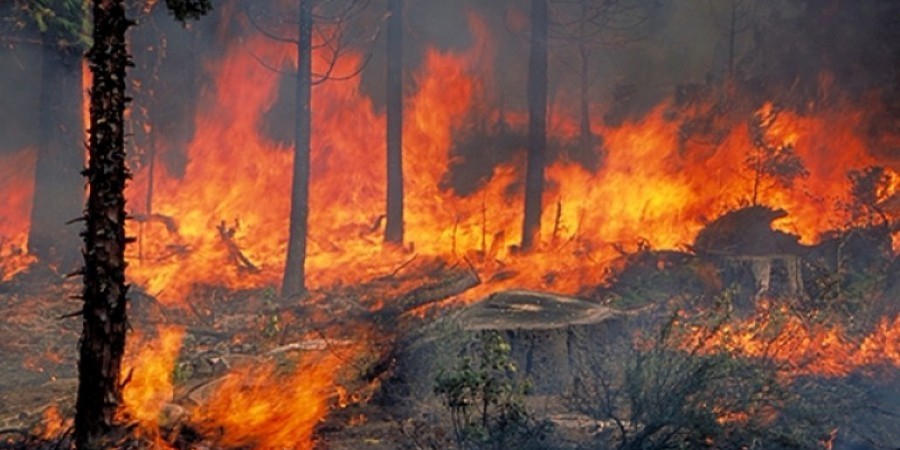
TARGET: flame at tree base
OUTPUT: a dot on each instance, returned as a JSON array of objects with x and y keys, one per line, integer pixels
[
  {"x": 257, "y": 407},
  {"x": 264, "y": 405}
]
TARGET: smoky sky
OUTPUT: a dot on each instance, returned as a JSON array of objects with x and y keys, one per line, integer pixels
[{"x": 779, "y": 46}]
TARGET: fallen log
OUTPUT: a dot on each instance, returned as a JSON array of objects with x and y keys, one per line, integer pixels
[{"x": 450, "y": 285}]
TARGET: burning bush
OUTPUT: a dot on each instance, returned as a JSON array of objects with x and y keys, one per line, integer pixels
[{"x": 686, "y": 387}]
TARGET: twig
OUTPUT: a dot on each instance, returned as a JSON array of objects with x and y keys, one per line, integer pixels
[
  {"x": 402, "y": 266},
  {"x": 320, "y": 344}
]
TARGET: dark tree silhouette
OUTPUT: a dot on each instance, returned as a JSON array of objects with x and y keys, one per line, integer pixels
[
  {"x": 294, "y": 280},
  {"x": 537, "y": 124},
  {"x": 104, "y": 311},
  {"x": 105, "y": 319},
  {"x": 334, "y": 15},
  {"x": 393, "y": 232},
  {"x": 775, "y": 162},
  {"x": 58, "y": 195},
  {"x": 586, "y": 26}
]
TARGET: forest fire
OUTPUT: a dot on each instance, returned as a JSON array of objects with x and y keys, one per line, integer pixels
[
  {"x": 17, "y": 187},
  {"x": 649, "y": 188},
  {"x": 149, "y": 374},
  {"x": 785, "y": 204},
  {"x": 254, "y": 411},
  {"x": 800, "y": 348}
]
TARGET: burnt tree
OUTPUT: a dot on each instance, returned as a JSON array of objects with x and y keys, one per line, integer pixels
[
  {"x": 590, "y": 25},
  {"x": 393, "y": 232},
  {"x": 293, "y": 282},
  {"x": 104, "y": 312},
  {"x": 537, "y": 125},
  {"x": 324, "y": 17},
  {"x": 58, "y": 195},
  {"x": 105, "y": 320}
]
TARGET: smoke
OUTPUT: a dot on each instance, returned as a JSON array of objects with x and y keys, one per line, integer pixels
[{"x": 802, "y": 54}]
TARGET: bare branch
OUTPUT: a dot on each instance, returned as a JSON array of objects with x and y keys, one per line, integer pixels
[
  {"x": 268, "y": 66},
  {"x": 253, "y": 21}
]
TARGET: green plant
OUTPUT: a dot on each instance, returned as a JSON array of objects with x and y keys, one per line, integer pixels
[
  {"x": 486, "y": 400},
  {"x": 272, "y": 321}
]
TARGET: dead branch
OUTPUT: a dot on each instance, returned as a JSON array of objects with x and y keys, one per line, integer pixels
[
  {"x": 237, "y": 256},
  {"x": 168, "y": 222}
]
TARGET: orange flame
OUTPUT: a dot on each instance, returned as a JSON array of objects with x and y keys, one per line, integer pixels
[
  {"x": 148, "y": 371},
  {"x": 651, "y": 186},
  {"x": 17, "y": 188},
  {"x": 255, "y": 406},
  {"x": 801, "y": 348},
  {"x": 53, "y": 424}
]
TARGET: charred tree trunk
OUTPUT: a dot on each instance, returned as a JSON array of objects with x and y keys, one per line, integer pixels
[
  {"x": 58, "y": 192},
  {"x": 586, "y": 138},
  {"x": 293, "y": 282},
  {"x": 732, "y": 33},
  {"x": 537, "y": 124},
  {"x": 393, "y": 232},
  {"x": 104, "y": 313}
]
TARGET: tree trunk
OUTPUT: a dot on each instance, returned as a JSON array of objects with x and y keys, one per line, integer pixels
[
  {"x": 732, "y": 33},
  {"x": 105, "y": 319},
  {"x": 393, "y": 232},
  {"x": 58, "y": 191},
  {"x": 537, "y": 124},
  {"x": 293, "y": 283},
  {"x": 586, "y": 138}
]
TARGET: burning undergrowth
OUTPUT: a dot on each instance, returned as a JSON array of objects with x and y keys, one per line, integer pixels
[{"x": 778, "y": 310}]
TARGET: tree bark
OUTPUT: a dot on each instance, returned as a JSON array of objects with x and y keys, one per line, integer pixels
[
  {"x": 58, "y": 189},
  {"x": 104, "y": 313},
  {"x": 537, "y": 124},
  {"x": 393, "y": 232},
  {"x": 293, "y": 283}
]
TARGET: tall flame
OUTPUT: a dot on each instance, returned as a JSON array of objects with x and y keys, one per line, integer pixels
[
  {"x": 17, "y": 187},
  {"x": 650, "y": 186},
  {"x": 148, "y": 373}
]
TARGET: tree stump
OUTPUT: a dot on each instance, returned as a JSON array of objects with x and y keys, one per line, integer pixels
[{"x": 554, "y": 339}]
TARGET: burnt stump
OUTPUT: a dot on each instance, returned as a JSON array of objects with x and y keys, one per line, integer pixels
[{"x": 554, "y": 340}]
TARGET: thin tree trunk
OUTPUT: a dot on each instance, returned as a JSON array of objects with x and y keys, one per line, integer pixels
[
  {"x": 293, "y": 283},
  {"x": 105, "y": 319},
  {"x": 148, "y": 200},
  {"x": 732, "y": 32},
  {"x": 537, "y": 124},
  {"x": 757, "y": 176},
  {"x": 58, "y": 189},
  {"x": 393, "y": 231},
  {"x": 586, "y": 137}
]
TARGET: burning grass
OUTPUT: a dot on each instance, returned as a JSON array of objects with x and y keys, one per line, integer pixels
[{"x": 799, "y": 347}]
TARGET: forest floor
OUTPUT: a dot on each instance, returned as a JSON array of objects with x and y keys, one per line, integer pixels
[
  {"x": 226, "y": 329},
  {"x": 223, "y": 329}
]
